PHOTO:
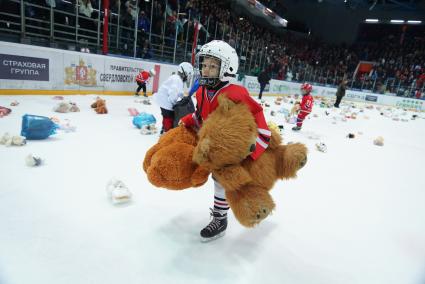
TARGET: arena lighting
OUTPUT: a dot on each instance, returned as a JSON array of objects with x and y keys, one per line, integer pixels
[
  {"x": 397, "y": 21},
  {"x": 414, "y": 22},
  {"x": 371, "y": 20},
  {"x": 240, "y": 19}
]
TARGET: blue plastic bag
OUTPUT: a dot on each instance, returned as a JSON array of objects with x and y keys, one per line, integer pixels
[
  {"x": 36, "y": 127},
  {"x": 143, "y": 119}
]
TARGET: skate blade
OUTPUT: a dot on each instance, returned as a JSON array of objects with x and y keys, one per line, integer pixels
[{"x": 207, "y": 240}]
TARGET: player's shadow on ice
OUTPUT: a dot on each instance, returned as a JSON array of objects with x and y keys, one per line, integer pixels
[{"x": 204, "y": 260}]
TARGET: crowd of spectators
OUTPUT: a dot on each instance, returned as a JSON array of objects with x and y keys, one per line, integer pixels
[{"x": 398, "y": 52}]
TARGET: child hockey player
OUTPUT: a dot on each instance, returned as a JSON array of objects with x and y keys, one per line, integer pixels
[
  {"x": 142, "y": 79},
  {"x": 170, "y": 92},
  {"x": 218, "y": 63},
  {"x": 306, "y": 105}
]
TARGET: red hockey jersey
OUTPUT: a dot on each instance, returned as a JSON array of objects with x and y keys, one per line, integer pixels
[
  {"x": 143, "y": 77},
  {"x": 306, "y": 103},
  {"x": 237, "y": 94}
]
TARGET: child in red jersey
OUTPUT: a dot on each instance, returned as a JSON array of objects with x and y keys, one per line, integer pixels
[
  {"x": 306, "y": 105},
  {"x": 218, "y": 64},
  {"x": 142, "y": 79}
]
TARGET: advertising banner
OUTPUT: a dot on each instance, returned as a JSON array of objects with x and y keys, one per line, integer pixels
[{"x": 14, "y": 67}]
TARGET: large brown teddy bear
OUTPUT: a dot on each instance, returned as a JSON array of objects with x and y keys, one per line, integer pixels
[
  {"x": 169, "y": 163},
  {"x": 225, "y": 140}
]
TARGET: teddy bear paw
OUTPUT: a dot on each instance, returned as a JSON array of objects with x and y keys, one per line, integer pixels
[
  {"x": 303, "y": 162},
  {"x": 260, "y": 215},
  {"x": 250, "y": 205}
]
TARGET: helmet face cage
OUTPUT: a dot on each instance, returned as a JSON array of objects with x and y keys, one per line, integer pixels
[
  {"x": 183, "y": 74},
  {"x": 207, "y": 80},
  {"x": 185, "y": 71}
]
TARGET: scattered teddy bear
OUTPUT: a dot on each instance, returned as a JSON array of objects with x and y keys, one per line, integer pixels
[
  {"x": 148, "y": 129},
  {"x": 379, "y": 141},
  {"x": 9, "y": 140},
  {"x": 62, "y": 107},
  {"x": 100, "y": 106},
  {"x": 65, "y": 107},
  {"x": 118, "y": 192},
  {"x": 295, "y": 109},
  {"x": 321, "y": 147},
  {"x": 74, "y": 107},
  {"x": 33, "y": 161},
  {"x": 4, "y": 111},
  {"x": 169, "y": 162}
]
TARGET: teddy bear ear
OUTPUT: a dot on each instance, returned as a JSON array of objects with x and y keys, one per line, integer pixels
[{"x": 225, "y": 103}]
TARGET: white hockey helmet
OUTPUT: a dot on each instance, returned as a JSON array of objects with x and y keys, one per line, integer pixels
[
  {"x": 152, "y": 72},
  {"x": 229, "y": 60},
  {"x": 186, "y": 69}
]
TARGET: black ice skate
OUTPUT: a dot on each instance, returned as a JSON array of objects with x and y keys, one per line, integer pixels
[
  {"x": 144, "y": 94},
  {"x": 216, "y": 228},
  {"x": 136, "y": 94},
  {"x": 296, "y": 128}
]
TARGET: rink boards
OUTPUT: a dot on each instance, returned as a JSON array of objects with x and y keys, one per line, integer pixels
[{"x": 33, "y": 70}]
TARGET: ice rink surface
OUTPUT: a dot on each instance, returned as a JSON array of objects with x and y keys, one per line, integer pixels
[{"x": 355, "y": 214}]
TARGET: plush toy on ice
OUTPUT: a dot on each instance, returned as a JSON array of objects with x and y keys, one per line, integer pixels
[
  {"x": 99, "y": 106},
  {"x": 65, "y": 107},
  {"x": 149, "y": 129},
  {"x": 118, "y": 192},
  {"x": 10, "y": 140},
  {"x": 33, "y": 161},
  {"x": 4, "y": 111}
]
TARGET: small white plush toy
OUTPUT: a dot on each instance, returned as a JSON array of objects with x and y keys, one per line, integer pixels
[
  {"x": 19, "y": 140},
  {"x": 62, "y": 107},
  {"x": 321, "y": 147},
  {"x": 66, "y": 126},
  {"x": 9, "y": 140},
  {"x": 74, "y": 107},
  {"x": 379, "y": 141},
  {"x": 33, "y": 161},
  {"x": 118, "y": 191},
  {"x": 5, "y": 138},
  {"x": 148, "y": 129}
]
